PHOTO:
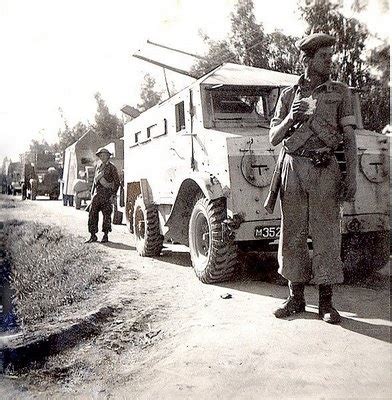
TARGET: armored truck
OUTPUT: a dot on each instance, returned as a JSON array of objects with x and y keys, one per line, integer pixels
[{"x": 197, "y": 169}]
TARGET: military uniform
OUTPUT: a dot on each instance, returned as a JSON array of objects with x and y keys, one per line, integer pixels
[
  {"x": 311, "y": 119},
  {"x": 310, "y": 194},
  {"x": 106, "y": 182}
]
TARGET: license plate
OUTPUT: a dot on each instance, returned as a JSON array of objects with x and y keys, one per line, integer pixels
[{"x": 267, "y": 232}]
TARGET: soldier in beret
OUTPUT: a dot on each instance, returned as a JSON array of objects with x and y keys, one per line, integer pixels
[
  {"x": 105, "y": 186},
  {"x": 311, "y": 119}
]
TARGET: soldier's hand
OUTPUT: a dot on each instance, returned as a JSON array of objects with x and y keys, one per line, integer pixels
[{"x": 298, "y": 110}]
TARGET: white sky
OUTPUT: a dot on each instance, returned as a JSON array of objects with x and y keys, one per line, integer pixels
[{"x": 58, "y": 53}]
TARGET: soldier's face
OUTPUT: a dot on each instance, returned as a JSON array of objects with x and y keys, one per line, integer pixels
[
  {"x": 321, "y": 62},
  {"x": 104, "y": 157}
]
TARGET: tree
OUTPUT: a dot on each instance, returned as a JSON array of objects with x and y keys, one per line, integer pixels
[
  {"x": 107, "y": 125},
  {"x": 37, "y": 147},
  {"x": 68, "y": 136},
  {"x": 248, "y": 44},
  {"x": 283, "y": 55},
  {"x": 247, "y": 37},
  {"x": 353, "y": 65},
  {"x": 148, "y": 95}
]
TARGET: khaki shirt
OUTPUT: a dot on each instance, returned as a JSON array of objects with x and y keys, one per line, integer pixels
[{"x": 334, "y": 110}]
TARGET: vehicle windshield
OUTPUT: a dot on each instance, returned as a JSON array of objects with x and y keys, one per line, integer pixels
[{"x": 247, "y": 104}]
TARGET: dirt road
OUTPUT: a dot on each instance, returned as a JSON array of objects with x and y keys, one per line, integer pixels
[{"x": 200, "y": 345}]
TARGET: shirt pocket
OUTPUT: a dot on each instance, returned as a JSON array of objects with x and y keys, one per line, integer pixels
[{"x": 327, "y": 110}]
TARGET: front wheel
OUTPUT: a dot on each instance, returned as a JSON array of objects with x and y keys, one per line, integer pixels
[
  {"x": 364, "y": 253},
  {"x": 149, "y": 240},
  {"x": 214, "y": 256}
]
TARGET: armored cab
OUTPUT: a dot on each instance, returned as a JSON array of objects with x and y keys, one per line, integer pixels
[{"x": 197, "y": 169}]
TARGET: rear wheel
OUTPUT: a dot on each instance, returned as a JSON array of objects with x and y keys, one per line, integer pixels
[
  {"x": 364, "y": 253},
  {"x": 214, "y": 257},
  {"x": 149, "y": 240}
]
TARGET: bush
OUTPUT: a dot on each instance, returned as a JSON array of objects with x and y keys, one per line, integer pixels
[{"x": 49, "y": 269}]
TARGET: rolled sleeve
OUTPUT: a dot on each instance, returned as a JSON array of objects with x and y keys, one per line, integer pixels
[
  {"x": 282, "y": 108},
  {"x": 346, "y": 109}
]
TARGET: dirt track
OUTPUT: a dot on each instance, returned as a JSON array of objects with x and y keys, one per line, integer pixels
[{"x": 189, "y": 342}]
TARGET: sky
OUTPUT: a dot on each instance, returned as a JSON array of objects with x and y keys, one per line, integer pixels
[{"x": 59, "y": 53}]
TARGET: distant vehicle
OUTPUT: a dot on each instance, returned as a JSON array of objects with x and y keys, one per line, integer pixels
[
  {"x": 40, "y": 176},
  {"x": 79, "y": 167},
  {"x": 198, "y": 168},
  {"x": 79, "y": 163},
  {"x": 13, "y": 178}
]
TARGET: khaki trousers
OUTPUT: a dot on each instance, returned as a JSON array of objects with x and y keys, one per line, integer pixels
[{"x": 310, "y": 206}]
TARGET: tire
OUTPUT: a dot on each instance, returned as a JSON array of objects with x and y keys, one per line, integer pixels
[
  {"x": 149, "y": 240},
  {"x": 364, "y": 253},
  {"x": 78, "y": 203},
  {"x": 213, "y": 259},
  {"x": 34, "y": 190}
]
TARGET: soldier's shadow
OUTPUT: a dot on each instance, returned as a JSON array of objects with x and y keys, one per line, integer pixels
[{"x": 118, "y": 246}]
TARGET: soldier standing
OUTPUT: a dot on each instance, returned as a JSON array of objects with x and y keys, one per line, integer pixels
[
  {"x": 105, "y": 186},
  {"x": 311, "y": 119}
]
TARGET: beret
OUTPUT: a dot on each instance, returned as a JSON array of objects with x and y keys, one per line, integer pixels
[{"x": 313, "y": 42}]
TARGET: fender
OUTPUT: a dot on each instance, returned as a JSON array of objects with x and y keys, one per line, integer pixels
[
  {"x": 187, "y": 190},
  {"x": 207, "y": 183}
]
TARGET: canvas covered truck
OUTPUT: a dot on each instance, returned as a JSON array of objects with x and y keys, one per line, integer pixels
[
  {"x": 78, "y": 171},
  {"x": 79, "y": 167},
  {"x": 40, "y": 176},
  {"x": 197, "y": 169}
]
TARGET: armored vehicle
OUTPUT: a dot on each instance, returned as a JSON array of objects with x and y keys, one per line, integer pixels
[
  {"x": 198, "y": 168},
  {"x": 40, "y": 176}
]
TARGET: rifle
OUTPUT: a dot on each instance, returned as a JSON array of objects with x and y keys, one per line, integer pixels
[{"x": 276, "y": 181}]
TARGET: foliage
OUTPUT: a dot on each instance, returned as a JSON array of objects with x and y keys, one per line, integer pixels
[
  {"x": 37, "y": 147},
  {"x": 107, "y": 125},
  {"x": 69, "y": 135},
  {"x": 246, "y": 35},
  {"x": 248, "y": 44},
  {"x": 148, "y": 95},
  {"x": 353, "y": 65},
  {"x": 49, "y": 269}
]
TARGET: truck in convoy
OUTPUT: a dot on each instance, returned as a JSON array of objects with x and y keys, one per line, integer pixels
[
  {"x": 40, "y": 175},
  {"x": 14, "y": 178},
  {"x": 78, "y": 171},
  {"x": 79, "y": 167},
  {"x": 197, "y": 169}
]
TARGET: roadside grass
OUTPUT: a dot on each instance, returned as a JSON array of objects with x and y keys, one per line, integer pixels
[{"x": 49, "y": 270}]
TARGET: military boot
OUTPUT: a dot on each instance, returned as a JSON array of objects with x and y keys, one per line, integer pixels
[
  {"x": 326, "y": 311},
  {"x": 93, "y": 238},
  {"x": 105, "y": 238},
  {"x": 295, "y": 303}
]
